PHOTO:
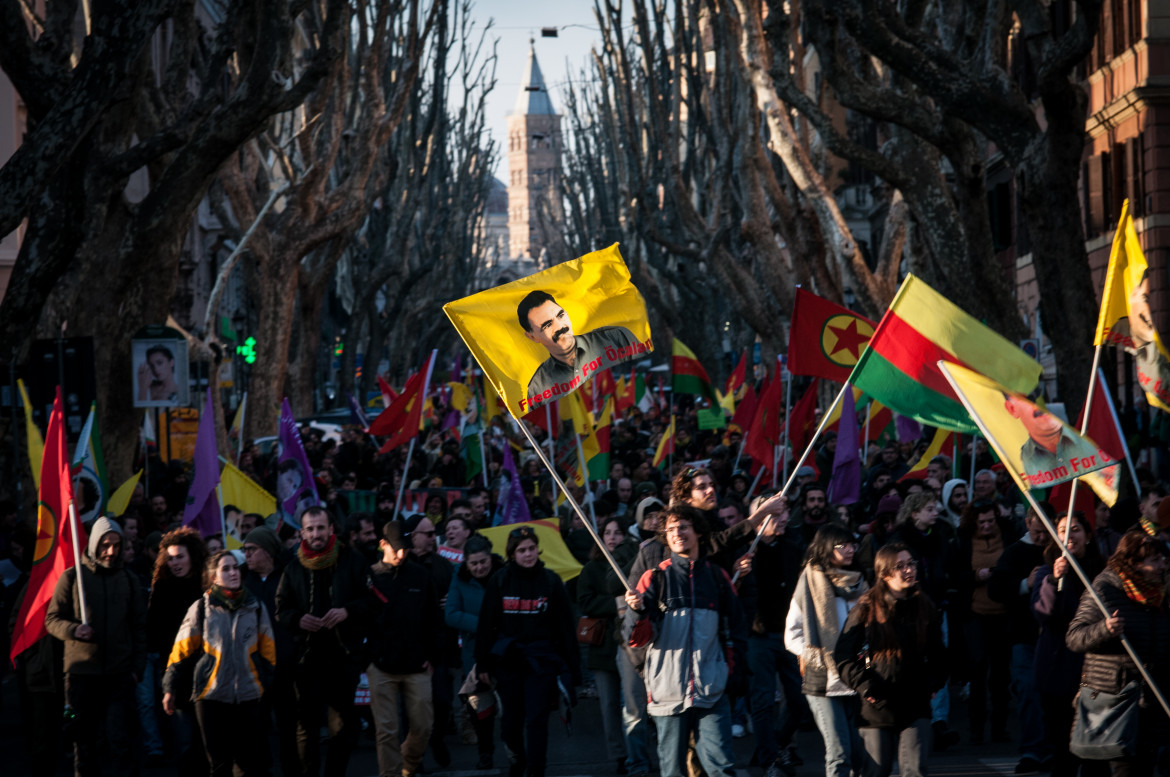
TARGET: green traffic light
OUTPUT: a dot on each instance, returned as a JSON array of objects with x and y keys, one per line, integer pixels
[{"x": 248, "y": 350}]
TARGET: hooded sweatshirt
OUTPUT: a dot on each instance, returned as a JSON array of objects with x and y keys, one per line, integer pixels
[
  {"x": 947, "y": 512},
  {"x": 116, "y": 608}
]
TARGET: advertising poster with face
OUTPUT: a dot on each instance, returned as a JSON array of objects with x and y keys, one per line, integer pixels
[{"x": 160, "y": 372}]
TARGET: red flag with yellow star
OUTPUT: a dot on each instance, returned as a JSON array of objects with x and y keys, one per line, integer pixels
[
  {"x": 826, "y": 339},
  {"x": 53, "y": 553}
]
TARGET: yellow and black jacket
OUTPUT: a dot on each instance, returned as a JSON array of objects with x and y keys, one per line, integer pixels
[{"x": 232, "y": 653}]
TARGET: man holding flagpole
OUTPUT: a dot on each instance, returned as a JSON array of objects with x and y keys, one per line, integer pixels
[{"x": 105, "y": 651}]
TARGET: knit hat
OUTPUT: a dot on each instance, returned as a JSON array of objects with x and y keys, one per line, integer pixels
[
  {"x": 265, "y": 539},
  {"x": 890, "y": 503},
  {"x": 647, "y": 505}
]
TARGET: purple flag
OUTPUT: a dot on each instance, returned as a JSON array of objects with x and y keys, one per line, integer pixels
[
  {"x": 845, "y": 485},
  {"x": 202, "y": 510},
  {"x": 907, "y": 429},
  {"x": 513, "y": 506},
  {"x": 356, "y": 414},
  {"x": 295, "y": 487}
]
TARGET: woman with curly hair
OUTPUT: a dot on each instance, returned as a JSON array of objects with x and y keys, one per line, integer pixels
[
  {"x": 891, "y": 652},
  {"x": 177, "y": 581},
  {"x": 829, "y": 587},
  {"x": 1133, "y": 588}
]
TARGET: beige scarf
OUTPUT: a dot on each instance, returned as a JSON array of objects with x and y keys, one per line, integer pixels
[{"x": 818, "y": 604}]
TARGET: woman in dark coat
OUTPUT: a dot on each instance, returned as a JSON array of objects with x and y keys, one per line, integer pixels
[
  {"x": 526, "y": 649},
  {"x": 1055, "y": 595},
  {"x": 1133, "y": 588},
  {"x": 891, "y": 652}
]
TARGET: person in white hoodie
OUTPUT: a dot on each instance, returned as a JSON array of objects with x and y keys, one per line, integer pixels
[
  {"x": 954, "y": 498},
  {"x": 827, "y": 590}
]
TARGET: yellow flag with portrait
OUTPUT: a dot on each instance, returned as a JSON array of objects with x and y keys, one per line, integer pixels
[{"x": 543, "y": 337}]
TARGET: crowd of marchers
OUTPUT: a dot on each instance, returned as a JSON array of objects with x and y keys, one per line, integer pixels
[{"x": 736, "y": 614}]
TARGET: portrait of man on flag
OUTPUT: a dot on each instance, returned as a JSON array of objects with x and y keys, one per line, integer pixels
[
  {"x": 1036, "y": 446},
  {"x": 542, "y": 337}
]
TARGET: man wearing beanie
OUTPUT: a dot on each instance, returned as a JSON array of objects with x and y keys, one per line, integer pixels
[
  {"x": 263, "y": 551},
  {"x": 403, "y": 644},
  {"x": 105, "y": 651},
  {"x": 322, "y": 600}
]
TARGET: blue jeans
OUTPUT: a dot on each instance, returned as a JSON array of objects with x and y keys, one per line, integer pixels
[
  {"x": 774, "y": 727},
  {"x": 146, "y": 696},
  {"x": 1028, "y": 705},
  {"x": 836, "y": 717},
  {"x": 635, "y": 721},
  {"x": 940, "y": 703},
  {"x": 712, "y": 730}
]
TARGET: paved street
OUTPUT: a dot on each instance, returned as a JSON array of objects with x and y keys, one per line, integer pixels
[{"x": 580, "y": 754}]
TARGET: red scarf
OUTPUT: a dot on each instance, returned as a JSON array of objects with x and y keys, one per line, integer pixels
[
  {"x": 1142, "y": 591},
  {"x": 320, "y": 559}
]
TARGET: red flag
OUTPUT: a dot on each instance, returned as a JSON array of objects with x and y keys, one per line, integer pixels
[
  {"x": 738, "y": 376},
  {"x": 402, "y": 420},
  {"x": 803, "y": 420},
  {"x": 764, "y": 433},
  {"x": 605, "y": 387},
  {"x": 53, "y": 553},
  {"x": 826, "y": 339},
  {"x": 388, "y": 394},
  {"x": 541, "y": 418},
  {"x": 745, "y": 411},
  {"x": 623, "y": 396}
]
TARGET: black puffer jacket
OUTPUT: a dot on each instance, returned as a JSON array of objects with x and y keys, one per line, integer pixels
[
  {"x": 1107, "y": 666},
  {"x": 900, "y": 685}
]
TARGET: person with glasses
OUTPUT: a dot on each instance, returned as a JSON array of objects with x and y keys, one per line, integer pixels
[
  {"x": 983, "y": 536},
  {"x": 891, "y": 653},
  {"x": 263, "y": 559},
  {"x": 421, "y": 536},
  {"x": 525, "y": 646},
  {"x": 829, "y": 587},
  {"x": 688, "y": 616}
]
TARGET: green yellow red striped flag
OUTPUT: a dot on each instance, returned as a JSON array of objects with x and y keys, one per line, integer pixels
[
  {"x": 920, "y": 328},
  {"x": 688, "y": 375}
]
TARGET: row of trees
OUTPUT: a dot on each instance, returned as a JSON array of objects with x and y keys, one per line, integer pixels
[
  {"x": 712, "y": 137},
  {"x": 322, "y": 135}
]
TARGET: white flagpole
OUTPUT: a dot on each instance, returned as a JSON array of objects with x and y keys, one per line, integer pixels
[
  {"x": 410, "y": 450},
  {"x": 551, "y": 449},
  {"x": 800, "y": 463},
  {"x": 576, "y": 507},
  {"x": 77, "y": 562}
]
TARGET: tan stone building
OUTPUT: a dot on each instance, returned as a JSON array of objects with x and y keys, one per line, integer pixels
[{"x": 534, "y": 167}]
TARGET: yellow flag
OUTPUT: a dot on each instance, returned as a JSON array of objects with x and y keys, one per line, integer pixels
[
  {"x": 460, "y": 396},
  {"x": 553, "y": 551},
  {"x": 1036, "y": 447},
  {"x": 1125, "y": 317},
  {"x": 36, "y": 443},
  {"x": 121, "y": 498},
  {"x": 543, "y": 337},
  {"x": 242, "y": 492}
]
